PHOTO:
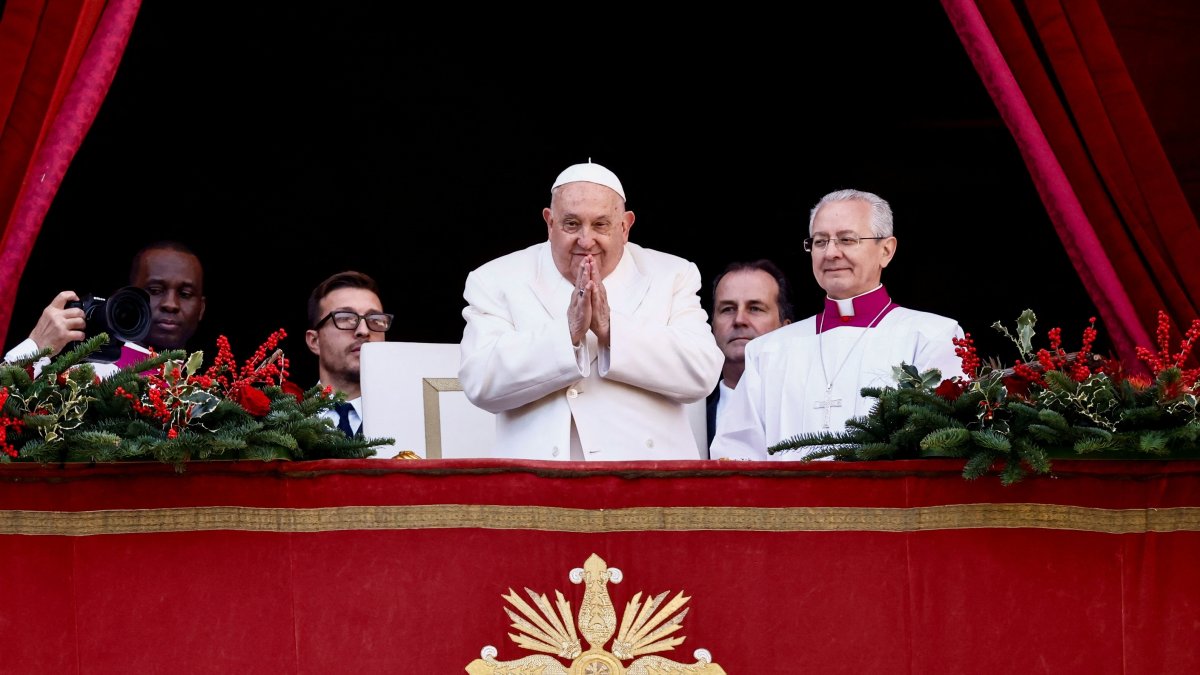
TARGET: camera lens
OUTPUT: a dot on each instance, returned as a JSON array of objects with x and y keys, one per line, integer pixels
[
  {"x": 124, "y": 316},
  {"x": 128, "y": 314}
]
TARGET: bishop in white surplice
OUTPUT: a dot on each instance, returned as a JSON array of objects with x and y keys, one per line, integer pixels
[{"x": 807, "y": 377}]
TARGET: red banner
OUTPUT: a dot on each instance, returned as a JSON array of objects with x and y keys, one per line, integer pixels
[{"x": 409, "y": 567}]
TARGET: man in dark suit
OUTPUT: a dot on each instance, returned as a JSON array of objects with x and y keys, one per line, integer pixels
[
  {"x": 749, "y": 299},
  {"x": 345, "y": 312}
]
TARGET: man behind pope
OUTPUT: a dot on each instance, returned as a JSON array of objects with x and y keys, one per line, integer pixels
[
  {"x": 806, "y": 377},
  {"x": 587, "y": 346}
]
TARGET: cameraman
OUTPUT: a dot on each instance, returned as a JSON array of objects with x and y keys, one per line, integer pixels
[{"x": 169, "y": 271}]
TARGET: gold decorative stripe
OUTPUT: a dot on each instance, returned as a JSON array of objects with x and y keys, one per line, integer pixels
[{"x": 640, "y": 519}]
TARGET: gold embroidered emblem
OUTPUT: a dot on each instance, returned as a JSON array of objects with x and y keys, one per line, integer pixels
[{"x": 645, "y": 629}]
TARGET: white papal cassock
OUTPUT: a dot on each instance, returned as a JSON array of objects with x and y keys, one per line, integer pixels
[{"x": 785, "y": 391}]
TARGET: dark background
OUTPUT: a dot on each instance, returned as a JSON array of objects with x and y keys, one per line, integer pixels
[{"x": 285, "y": 144}]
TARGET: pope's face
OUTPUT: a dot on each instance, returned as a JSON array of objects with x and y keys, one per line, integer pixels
[
  {"x": 847, "y": 271},
  {"x": 587, "y": 219}
]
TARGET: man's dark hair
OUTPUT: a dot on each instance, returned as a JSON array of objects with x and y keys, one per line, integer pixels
[
  {"x": 163, "y": 245},
  {"x": 783, "y": 300},
  {"x": 347, "y": 279}
]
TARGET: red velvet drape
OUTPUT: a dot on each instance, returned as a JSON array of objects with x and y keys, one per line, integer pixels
[
  {"x": 1059, "y": 78},
  {"x": 57, "y": 60}
]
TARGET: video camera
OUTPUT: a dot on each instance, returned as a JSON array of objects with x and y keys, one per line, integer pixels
[{"x": 124, "y": 315}]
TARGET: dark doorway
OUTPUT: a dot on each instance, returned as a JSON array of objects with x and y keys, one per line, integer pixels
[{"x": 285, "y": 145}]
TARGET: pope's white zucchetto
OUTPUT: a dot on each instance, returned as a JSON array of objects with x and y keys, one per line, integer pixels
[{"x": 589, "y": 173}]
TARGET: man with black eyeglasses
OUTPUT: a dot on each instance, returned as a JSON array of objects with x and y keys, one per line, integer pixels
[
  {"x": 806, "y": 377},
  {"x": 344, "y": 311}
]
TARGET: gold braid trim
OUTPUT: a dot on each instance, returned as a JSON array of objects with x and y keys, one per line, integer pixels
[{"x": 553, "y": 519}]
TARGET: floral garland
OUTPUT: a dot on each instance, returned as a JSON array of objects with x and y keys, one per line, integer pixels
[
  {"x": 168, "y": 408},
  {"x": 1050, "y": 403}
]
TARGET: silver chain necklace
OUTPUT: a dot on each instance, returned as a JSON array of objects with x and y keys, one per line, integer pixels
[{"x": 830, "y": 403}]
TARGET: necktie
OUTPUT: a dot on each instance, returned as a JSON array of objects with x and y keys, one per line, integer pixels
[{"x": 343, "y": 411}]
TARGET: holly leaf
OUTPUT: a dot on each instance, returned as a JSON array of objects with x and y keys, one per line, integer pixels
[
  {"x": 193, "y": 363},
  {"x": 200, "y": 403}
]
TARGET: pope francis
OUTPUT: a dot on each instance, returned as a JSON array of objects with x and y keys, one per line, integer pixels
[{"x": 586, "y": 346}]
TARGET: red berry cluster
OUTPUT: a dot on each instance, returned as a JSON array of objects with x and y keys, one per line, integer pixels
[
  {"x": 1027, "y": 374},
  {"x": 964, "y": 349},
  {"x": 1080, "y": 371},
  {"x": 1075, "y": 365},
  {"x": 1055, "y": 357},
  {"x": 258, "y": 369},
  {"x": 1164, "y": 359},
  {"x": 5, "y": 423},
  {"x": 157, "y": 409}
]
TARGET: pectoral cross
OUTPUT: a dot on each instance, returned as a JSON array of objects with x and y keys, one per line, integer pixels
[{"x": 828, "y": 404}]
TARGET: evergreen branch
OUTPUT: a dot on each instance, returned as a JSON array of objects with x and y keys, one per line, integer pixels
[
  {"x": 1033, "y": 455},
  {"x": 978, "y": 464},
  {"x": 949, "y": 442},
  {"x": 991, "y": 440},
  {"x": 1012, "y": 473}
]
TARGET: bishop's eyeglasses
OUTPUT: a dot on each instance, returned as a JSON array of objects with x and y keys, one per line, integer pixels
[
  {"x": 844, "y": 242},
  {"x": 377, "y": 322}
]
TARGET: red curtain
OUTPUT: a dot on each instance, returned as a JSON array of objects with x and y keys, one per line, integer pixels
[
  {"x": 57, "y": 60},
  {"x": 1057, "y": 72}
]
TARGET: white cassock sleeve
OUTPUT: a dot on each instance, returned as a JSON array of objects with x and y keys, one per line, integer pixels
[{"x": 739, "y": 434}]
